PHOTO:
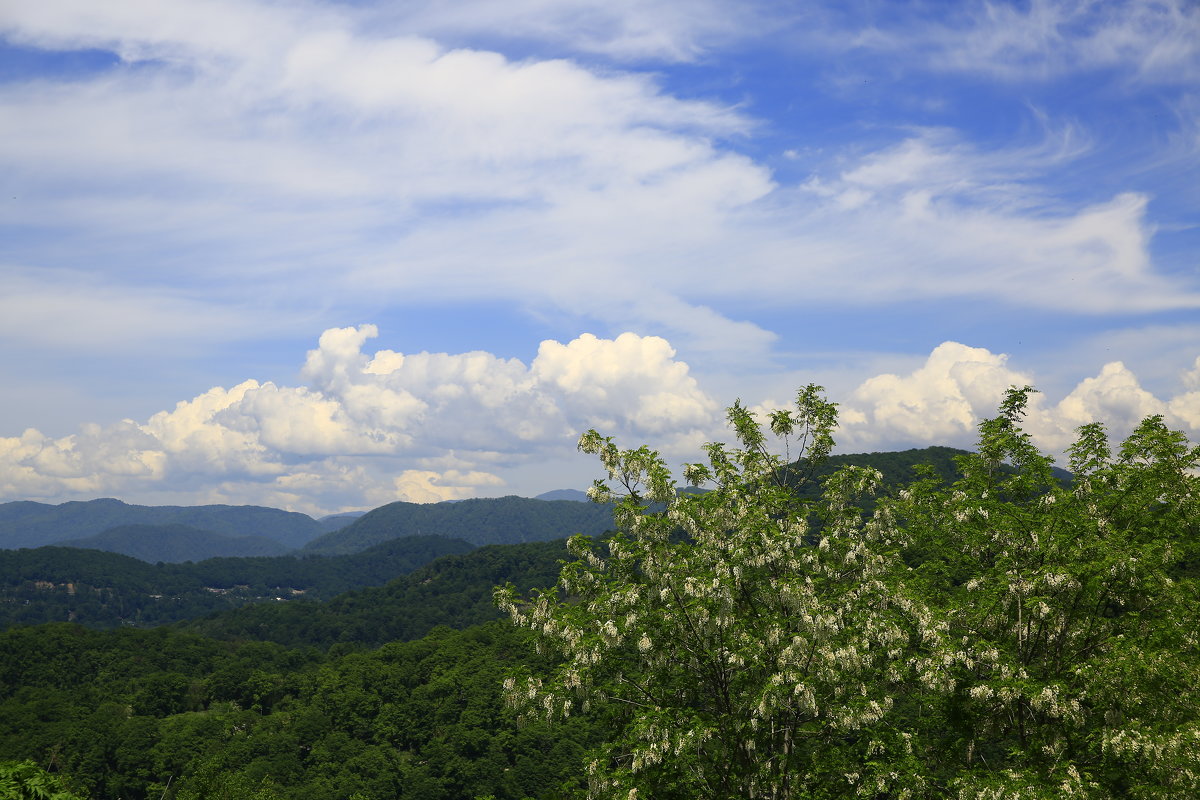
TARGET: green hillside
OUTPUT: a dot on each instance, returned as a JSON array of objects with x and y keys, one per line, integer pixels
[
  {"x": 104, "y": 590},
  {"x": 168, "y": 715},
  {"x": 899, "y": 468},
  {"x": 455, "y": 590}
]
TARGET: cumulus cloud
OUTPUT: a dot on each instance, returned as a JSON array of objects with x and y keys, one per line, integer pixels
[
  {"x": 1186, "y": 407},
  {"x": 369, "y": 428},
  {"x": 942, "y": 401}
]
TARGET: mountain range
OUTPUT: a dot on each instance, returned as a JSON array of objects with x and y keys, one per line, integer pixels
[
  {"x": 30, "y": 524},
  {"x": 468, "y": 547},
  {"x": 183, "y": 533},
  {"x": 481, "y": 521},
  {"x": 176, "y": 543}
]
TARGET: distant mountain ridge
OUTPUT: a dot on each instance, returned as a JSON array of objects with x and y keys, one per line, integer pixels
[
  {"x": 105, "y": 523},
  {"x": 564, "y": 494},
  {"x": 176, "y": 543},
  {"x": 30, "y": 524},
  {"x": 332, "y": 522},
  {"x": 481, "y": 521}
]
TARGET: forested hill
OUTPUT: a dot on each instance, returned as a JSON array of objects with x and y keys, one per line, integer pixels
[
  {"x": 501, "y": 520},
  {"x": 28, "y": 524},
  {"x": 105, "y": 590},
  {"x": 899, "y": 468},
  {"x": 455, "y": 591}
]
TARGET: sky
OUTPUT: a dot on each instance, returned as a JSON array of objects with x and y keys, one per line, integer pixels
[{"x": 324, "y": 256}]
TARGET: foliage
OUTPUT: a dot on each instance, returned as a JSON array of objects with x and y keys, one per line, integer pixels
[
  {"x": 1008, "y": 636},
  {"x": 148, "y": 715},
  {"x": 25, "y": 780},
  {"x": 746, "y": 663},
  {"x": 1073, "y": 665}
]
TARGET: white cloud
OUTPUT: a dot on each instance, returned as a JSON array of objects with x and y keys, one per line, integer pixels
[
  {"x": 207, "y": 158},
  {"x": 74, "y": 309},
  {"x": 462, "y": 173},
  {"x": 620, "y": 29},
  {"x": 1191, "y": 378},
  {"x": 933, "y": 217},
  {"x": 1184, "y": 409},
  {"x": 367, "y": 429},
  {"x": 1114, "y": 394},
  {"x": 632, "y": 382},
  {"x": 942, "y": 401},
  {"x": 270, "y": 165}
]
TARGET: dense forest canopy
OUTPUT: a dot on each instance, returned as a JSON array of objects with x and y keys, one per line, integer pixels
[{"x": 104, "y": 590}]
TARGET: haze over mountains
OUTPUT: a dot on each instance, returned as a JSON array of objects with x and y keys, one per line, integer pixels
[
  {"x": 194, "y": 533},
  {"x": 348, "y": 580},
  {"x": 30, "y": 524},
  {"x": 176, "y": 543},
  {"x": 176, "y": 534},
  {"x": 482, "y": 521}
]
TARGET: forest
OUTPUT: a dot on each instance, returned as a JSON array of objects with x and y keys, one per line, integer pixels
[
  {"x": 105, "y": 590},
  {"x": 984, "y": 626}
]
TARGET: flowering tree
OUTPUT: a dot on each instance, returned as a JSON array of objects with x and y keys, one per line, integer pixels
[
  {"x": 734, "y": 658},
  {"x": 1077, "y": 665},
  {"x": 1004, "y": 637}
]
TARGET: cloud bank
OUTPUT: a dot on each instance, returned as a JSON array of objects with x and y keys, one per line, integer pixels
[{"x": 365, "y": 429}]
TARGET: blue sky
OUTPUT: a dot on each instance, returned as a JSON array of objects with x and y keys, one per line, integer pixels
[{"x": 324, "y": 256}]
